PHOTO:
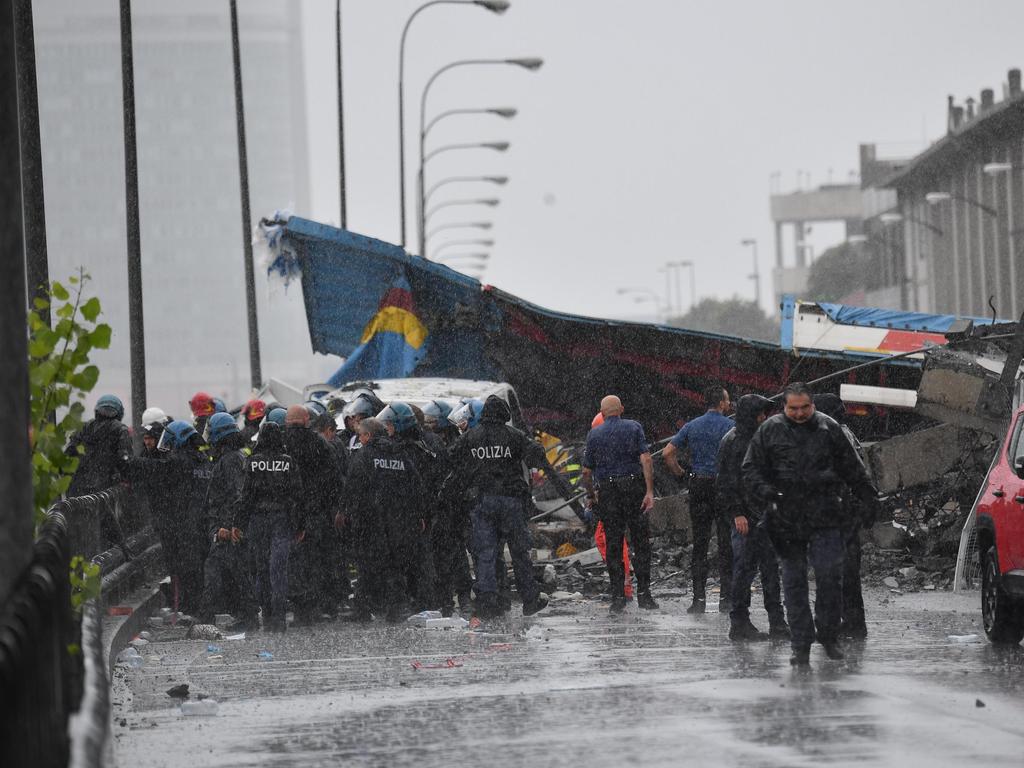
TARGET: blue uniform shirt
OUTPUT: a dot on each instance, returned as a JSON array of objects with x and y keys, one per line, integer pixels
[
  {"x": 702, "y": 436},
  {"x": 614, "y": 448}
]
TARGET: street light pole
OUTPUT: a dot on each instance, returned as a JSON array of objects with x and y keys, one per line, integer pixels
[
  {"x": 756, "y": 274},
  {"x": 482, "y": 242},
  {"x": 136, "y": 333},
  {"x": 529, "y": 63},
  {"x": 494, "y": 6},
  {"x": 341, "y": 123},
  {"x": 491, "y": 201},
  {"x": 499, "y": 180},
  {"x": 255, "y": 374}
]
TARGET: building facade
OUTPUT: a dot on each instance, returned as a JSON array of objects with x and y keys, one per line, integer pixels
[
  {"x": 190, "y": 215},
  {"x": 960, "y": 210}
]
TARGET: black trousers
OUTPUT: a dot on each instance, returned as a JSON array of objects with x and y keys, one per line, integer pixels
[
  {"x": 853, "y": 600},
  {"x": 706, "y": 519},
  {"x": 228, "y": 585},
  {"x": 619, "y": 509}
]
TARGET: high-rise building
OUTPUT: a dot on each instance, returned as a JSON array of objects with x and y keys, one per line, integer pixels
[{"x": 190, "y": 215}]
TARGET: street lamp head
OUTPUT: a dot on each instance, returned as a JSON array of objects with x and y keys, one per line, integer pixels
[
  {"x": 475, "y": 256},
  {"x": 891, "y": 217},
  {"x": 492, "y": 201},
  {"x": 994, "y": 169},
  {"x": 530, "y": 62},
  {"x": 937, "y": 197},
  {"x": 494, "y": 6},
  {"x": 748, "y": 241},
  {"x": 507, "y": 112},
  {"x": 499, "y": 146},
  {"x": 497, "y": 179}
]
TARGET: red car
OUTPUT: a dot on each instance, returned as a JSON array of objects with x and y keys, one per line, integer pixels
[{"x": 1000, "y": 536}]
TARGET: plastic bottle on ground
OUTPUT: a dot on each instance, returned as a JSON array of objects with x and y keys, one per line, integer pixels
[{"x": 201, "y": 708}]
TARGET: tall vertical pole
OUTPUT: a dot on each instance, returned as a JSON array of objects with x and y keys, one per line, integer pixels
[
  {"x": 136, "y": 334},
  {"x": 256, "y": 375},
  {"x": 341, "y": 123},
  {"x": 679, "y": 288},
  {"x": 16, "y": 478},
  {"x": 31, "y": 155}
]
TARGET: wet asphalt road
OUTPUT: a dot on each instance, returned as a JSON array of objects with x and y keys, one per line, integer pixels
[{"x": 574, "y": 686}]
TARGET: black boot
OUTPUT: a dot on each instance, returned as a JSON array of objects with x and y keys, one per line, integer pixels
[
  {"x": 801, "y": 657},
  {"x": 646, "y": 601},
  {"x": 539, "y": 603},
  {"x": 834, "y": 651},
  {"x": 779, "y": 631},
  {"x": 618, "y": 604},
  {"x": 853, "y": 630},
  {"x": 746, "y": 631}
]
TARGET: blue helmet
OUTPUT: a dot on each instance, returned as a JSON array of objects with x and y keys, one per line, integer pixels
[
  {"x": 176, "y": 434},
  {"x": 468, "y": 414},
  {"x": 277, "y": 415},
  {"x": 110, "y": 406},
  {"x": 399, "y": 415},
  {"x": 436, "y": 413},
  {"x": 220, "y": 426},
  {"x": 218, "y": 406}
]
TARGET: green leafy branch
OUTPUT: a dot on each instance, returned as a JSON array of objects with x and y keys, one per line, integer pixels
[{"x": 60, "y": 376}]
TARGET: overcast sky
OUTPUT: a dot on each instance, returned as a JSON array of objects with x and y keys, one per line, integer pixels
[{"x": 652, "y": 129}]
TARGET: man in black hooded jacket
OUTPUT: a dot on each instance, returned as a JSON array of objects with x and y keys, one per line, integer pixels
[
  {"x": 799, "y": 464},
  {"x": 492, "y": 459},
  {"x": 102, "y": 446},
  {"x": 751, "y": 549}
]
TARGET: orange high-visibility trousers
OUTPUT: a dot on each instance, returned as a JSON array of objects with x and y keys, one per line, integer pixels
[{"x": 602, "y": 547}]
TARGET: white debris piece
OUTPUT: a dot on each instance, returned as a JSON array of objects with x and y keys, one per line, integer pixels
[
  {"x": 420, "y": 619},
  {"x": 203, "y": 708},
  {"x": 963, "y": 638},
  {"x": 129, "y": 657}
]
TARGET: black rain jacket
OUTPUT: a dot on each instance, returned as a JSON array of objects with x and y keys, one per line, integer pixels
[
  {"x": 733, "y": 500},
  {"x": 106, "y": 442}
]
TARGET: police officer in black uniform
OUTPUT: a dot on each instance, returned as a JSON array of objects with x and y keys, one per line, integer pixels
[
  {"x": 618, "y": 474},
  {"x": 490, "y": 460},
  {"x": 268, "y": 512},
  {"x": 227, "y": 582},
  {"x": 383, "y": 503}
]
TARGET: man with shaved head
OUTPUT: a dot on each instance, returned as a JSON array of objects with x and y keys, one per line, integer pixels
[{"x": 619, "y": 477}]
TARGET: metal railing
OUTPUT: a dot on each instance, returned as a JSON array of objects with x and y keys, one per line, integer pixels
[{"x": 42, "y": 645}]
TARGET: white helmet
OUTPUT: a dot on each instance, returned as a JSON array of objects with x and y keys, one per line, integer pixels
[{"x": 153, "y": 415}]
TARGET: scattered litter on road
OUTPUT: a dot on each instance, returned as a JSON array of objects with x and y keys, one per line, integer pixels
[
  {"x": 119, "y": 610},
  {"x": 265, "y": 655},
  {"x": 420, "y": 619},
  {"x": 178, "y": 691},
  {"x": 563, "y": 595},
  {"x": 145, "y": 635},
  {"x": 448, "y": 664},
  {"x": 129, "y": 657},
  {"x": 979, "y": 703},
  {"x": 451, "y": 622},
  {"x": 211, "y": 648},
  {"x": 204, "y": 708},
  {"x": 964, "y": 638},
  {"x": 890, "y": 582},
  {"x": 156, "y": 621},
  {"x": 499, "y": 647},
  {"x": 204, "y": 632},
  {"x": 138, "y": 642},
  {"x": 239, "y": 636},
  {"x": 223, "y": 620}
]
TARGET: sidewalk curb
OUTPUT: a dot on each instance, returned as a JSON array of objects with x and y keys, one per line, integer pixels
[{"x": 119, "y": 630}]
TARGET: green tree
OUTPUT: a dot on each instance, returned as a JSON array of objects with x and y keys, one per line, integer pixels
[
  {"x": 840, "y": 271},
  {"x": 733, "y": 317},
  {"x": 60, "y": 376}
]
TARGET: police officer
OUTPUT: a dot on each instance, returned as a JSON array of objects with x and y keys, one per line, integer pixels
[
  {"x": 267, "y": 512},
  {"x": 751, "y": 549},
  {"x": 184, "y": 469},
  {"x": 490, "y": 460},
  {"x": 435, "y": 421},
  {"x": 252, "y": 414},
  {"x": 800, "y": 462},
  {"x": 101, "y": 446},
  {"x": 227, "y": 582},
  {"x": 701, "y": 437},
  {"x": 316, "y": 588},
  {"x": 856, "y": 516},
  {"x": 383, "y": 502},
  {"x": 618, "y": 475},
  {"x": 357, "y": 409},
  {"x": 203, "y": 407}
]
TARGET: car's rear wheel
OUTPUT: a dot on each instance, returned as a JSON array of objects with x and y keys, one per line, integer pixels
[{"x": 1002, "y": 616}]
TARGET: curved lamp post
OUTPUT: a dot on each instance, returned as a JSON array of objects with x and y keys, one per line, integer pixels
[
  {"x": 531, "y": 63},
  {"x": 499, "y": 180},
  {"x": 494, "y": 6},
  {"x": 482, "y": 242},
  {"x": 460, "y": 225},
  {"x": 491, "y": 201}
]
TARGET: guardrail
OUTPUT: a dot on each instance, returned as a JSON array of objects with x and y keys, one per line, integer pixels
[{"x": 42, "y": 643}]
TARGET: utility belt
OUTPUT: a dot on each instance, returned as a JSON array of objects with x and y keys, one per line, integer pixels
[{"x": 620, "y": 481}]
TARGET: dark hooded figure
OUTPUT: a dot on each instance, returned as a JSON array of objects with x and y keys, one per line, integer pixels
[
  {"x": 857, "y": 515},
  {"x": 751, "y": 549},
  {"x": 102, "y": 446},
  {"x": 384, "y": 507}
]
